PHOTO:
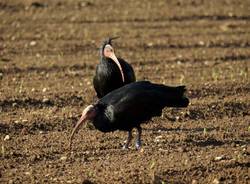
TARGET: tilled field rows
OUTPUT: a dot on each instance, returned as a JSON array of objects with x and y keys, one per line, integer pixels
[{"x": 48, "y": 54}]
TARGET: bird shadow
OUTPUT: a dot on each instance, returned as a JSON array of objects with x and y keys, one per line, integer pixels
[
  {"x": 178, "y": 129},
  {"x": 208, "y": 142},
  {"x": 200, "y": 142}
]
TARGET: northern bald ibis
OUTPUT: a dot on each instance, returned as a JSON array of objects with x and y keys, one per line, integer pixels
[
  {"x": 127, "y": 107},
  {"x": 112, "y": 72}
]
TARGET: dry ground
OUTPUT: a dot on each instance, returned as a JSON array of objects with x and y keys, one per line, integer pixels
[{"x": 48, "y": 53}]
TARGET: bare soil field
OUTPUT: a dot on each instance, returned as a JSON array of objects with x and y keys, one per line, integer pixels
[{"x": 48, "y": 54}]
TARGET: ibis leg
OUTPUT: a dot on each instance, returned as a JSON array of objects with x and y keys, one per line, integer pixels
[
  {"x": 128, "y": 140},
  {"x": 138, "y": 138}
]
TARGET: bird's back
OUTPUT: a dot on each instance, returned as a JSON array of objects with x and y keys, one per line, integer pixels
[
  {"x": 108, "y": 77},
  {"x": 137, "y": 102},
  {"x": 129, "y": 74}
]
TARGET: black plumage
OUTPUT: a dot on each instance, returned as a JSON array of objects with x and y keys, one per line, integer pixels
[
  {"x": 111, "y": 73},
  {"x": 129, "y": 106}
]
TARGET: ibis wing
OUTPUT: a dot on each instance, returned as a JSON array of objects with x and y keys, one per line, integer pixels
[
  {"x": 138, "y": 106},
  {"x": 128, "y": 71},
  {"x": 140, "y": 101}
]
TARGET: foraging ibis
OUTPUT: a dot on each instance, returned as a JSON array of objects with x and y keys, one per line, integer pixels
[
  {"x": 112, "y": 72},
  {"x": 127, "y": 107}
]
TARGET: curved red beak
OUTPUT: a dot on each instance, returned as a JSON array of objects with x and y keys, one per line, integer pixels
[
  {"x": 87, "y": 114},
  {"x": 114, "y": 58}
]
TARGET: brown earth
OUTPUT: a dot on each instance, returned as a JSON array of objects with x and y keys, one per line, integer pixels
[{"x": 48, "y": 53}]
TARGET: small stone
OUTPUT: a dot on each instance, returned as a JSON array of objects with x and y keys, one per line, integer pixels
[
  {"x": 63, "y": 158},
  {"x": 27, "y": 173},
  {"x": 179, "y": 62},
  {"x": 46, "y": 175},
  {"x": 7, "y": 137},
  {"x": 44, "y": 90},
  {"x": 45, "y": 100},
  {"x": 32, "y": 43},
  {"x": 38, "y": 55},
  {"x": 158, "y": 138},
  {"x": 150, "y": 44},
  {"x": 24, "y": 120},
  {"x": 218, "y": 158},
  {"x": 141, "y": 150},
  {"x": 194, "y": 181},
  {"x": 87, "y": 152},
  {"x": 84, "y": 4},
  {"x": 206, "y": 63},
  {"x": 201, "y": 43},
  {"x": 33, "y": 89},
  {"x": 216, "y": 181},
  {"x": 224, "y": 27}
]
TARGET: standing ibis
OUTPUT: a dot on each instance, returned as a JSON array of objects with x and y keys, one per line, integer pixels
[
  {"x": 112, "y": 72},
  {"x": 127, "y": 107}
]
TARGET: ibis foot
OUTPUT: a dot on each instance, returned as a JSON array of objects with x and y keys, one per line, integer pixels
[
  {"x": 138, "y": 138},
  {"x": 126, "y": 145}
]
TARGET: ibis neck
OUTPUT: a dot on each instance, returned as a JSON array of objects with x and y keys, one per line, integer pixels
[{"x": 102, "y": 121}]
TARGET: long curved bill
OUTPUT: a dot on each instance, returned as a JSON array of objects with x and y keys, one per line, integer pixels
[
  {"x": 80, "y": 122},
  {"x": 118, "y": 64}
]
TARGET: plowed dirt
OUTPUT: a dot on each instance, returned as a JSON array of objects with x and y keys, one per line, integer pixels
[{"x": 48, "y": 54}]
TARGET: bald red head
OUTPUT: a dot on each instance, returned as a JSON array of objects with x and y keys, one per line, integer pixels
[{"x": 110, "y": 53}]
